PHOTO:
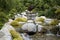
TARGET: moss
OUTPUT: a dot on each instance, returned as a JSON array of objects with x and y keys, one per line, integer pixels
[
  {"x": 40, "y": 20},
  {"x": 21, "y": 19},
  {"x": 15, "y": 35},
  {"x": 54, "y": 22},
  {"x": 15, "y": 24}
]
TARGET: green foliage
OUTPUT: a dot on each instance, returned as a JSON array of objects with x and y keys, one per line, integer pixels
[
  {"x": 12, "y": 13},
  {"x": 8, "y": 4},
  {"x": 46, "y": 6},
  {"x": 1, "y": 24},
  {"x": 43, "y": 7},
  {"x": 41, "y": 13},
  {"x": 50, "y": 12},
  {"x": 57, "y": 13},
  {"x": 3, "y": 19},
  {"x": 5, "y": 7}
]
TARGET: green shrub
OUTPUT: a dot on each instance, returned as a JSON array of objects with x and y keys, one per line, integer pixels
[
  {"x": 3, "y": 19},
  {"x": 12, "y": 13},
  {"x": 1, "y": 24},
  {"x": 57, "y": 12}
]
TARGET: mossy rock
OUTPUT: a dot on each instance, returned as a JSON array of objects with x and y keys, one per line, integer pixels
[
  {"x": 54, "y": 22},
  {"x": 40, "y": 19},
  {"x": 21, "y": 19},
  {"x": 15, "y": 35},
  {"x": 15, "y": 24}
]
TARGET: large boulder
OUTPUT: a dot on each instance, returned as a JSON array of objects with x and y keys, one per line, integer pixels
[
  {"x": 1, "y": 34},
  {"x": 5, "y": 34},
  {"x": 29, "y": 27}
]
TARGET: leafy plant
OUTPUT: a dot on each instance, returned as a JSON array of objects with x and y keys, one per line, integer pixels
[
  {"x": 3, "y": 19},
  {"x": 12, "y": 13},
  {"x": 57, "y": 12}
]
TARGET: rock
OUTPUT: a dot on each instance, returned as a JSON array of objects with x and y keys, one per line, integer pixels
[
  {"x": 1, "y": 34},
  {"x": 43, "y": 31},
  {"x": 58, "y": 33},
  {"x": 26, "y": 37},
  {"x": 59, "y": 24},
  {"x": 6, "y": 34},
  {"x": 10, "y": 20},
  {"x": 6, "y": 28},
  {"x": 29, "y": 27},
  {"x": 40, "y": 28},
  {"x": 23, "y": 13},
  {"x": 24, "y": 16},
  {"x": 17, "y": 16},
  {"x": 6, "y": 38},
  {"x": 43, "y": 17},
  {"x": 47, "y": 21}
]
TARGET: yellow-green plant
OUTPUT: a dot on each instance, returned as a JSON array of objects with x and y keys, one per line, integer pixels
[
  {"x": 15, "y": 35},
  {"x": 21, "y": 19},
  {"x": 17, "y": 39},
  {"x": 57, "y": 11},
  {"x": 40, "y": 20},
  {"x": 54, "y": 22},
  {"x": 3, "y": 18},
  {"x": 15, "y": 24}
]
